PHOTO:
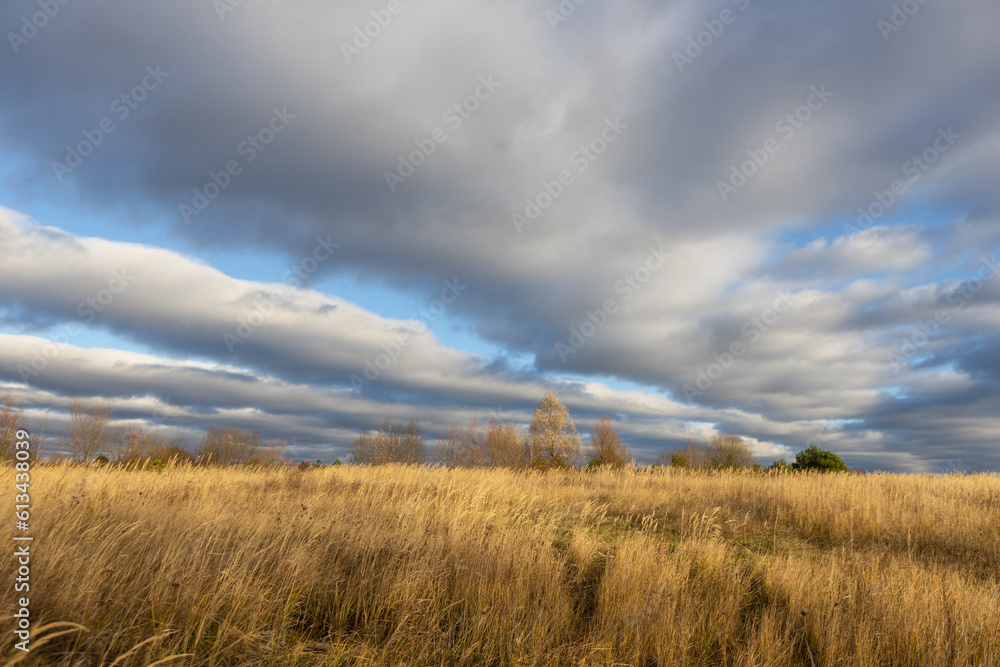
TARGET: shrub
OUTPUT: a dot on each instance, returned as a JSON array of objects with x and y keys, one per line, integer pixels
[
  {"x": 814, "y": 458},
  {"x": 680, "y": 460},
  {"x": 727, "y": 451},
  {"x": 606, "y": 447}
]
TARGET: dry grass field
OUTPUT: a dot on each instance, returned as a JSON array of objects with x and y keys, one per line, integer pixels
[{"x": 415, "y": 565}]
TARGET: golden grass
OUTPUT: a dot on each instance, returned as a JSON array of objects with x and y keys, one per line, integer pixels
[{"x": 430, "y": 566}]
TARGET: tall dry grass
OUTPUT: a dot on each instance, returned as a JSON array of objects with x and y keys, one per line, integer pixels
[{"x": 414, "y": 565}]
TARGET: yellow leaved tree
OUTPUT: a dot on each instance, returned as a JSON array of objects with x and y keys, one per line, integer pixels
[{"x": 553, "y": 437}]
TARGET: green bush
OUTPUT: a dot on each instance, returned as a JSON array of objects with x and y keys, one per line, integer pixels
[
  {"x": 814, "y": 458},
  {"x": 679, "y": 460}
]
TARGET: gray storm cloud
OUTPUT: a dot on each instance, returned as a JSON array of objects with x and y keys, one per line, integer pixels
[{"x": 696, "y": 128}]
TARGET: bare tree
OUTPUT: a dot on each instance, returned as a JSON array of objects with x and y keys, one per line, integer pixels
[
  {"x": 89, "y": 432},
  {"x": 606, "y": 447},
  {"x": 134, "y": 442},
  {"x": 408, "y": 444},
  {"x": 392, "y": 443},
  {"x": 38, "y": 439},
  {"x": 727, "y": 451},
  {"x": 449, "y": 448},
  {"x": 461, "y": 449},
  {"x": 504, "y": 446},
  {"x": 554, "y": 440},
  {"x": 11, "y": 421},
  {"x": 272, "y": 453},
  {"x": 365, "y": 449},
  {"x": 230, "y": 446}
]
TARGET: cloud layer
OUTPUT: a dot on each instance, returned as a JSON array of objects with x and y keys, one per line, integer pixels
[{"x": 782, "y": 220}]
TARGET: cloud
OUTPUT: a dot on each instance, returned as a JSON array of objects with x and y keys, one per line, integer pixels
[{"x": 196, "y": 152}]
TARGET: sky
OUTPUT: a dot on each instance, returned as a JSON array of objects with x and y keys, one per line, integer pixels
[{"x": 772, "y": 219}]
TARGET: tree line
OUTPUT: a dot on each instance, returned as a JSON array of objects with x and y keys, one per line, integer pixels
[
  {"x": 89, "y": 436},
  {"x": 551, "y": 442}
]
